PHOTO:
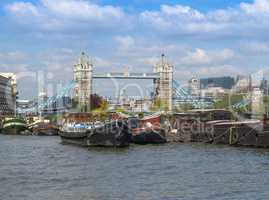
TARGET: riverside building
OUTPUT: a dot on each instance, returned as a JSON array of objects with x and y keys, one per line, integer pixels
[{"x": 8, "y": 93}]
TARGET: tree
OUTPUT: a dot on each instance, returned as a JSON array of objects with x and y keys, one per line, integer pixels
[
  {"x": 100, "y": 107},
  {"x": 158, "y": 105},
  {"x": 228, "y": 100},
  {"x": 96, "y": 101},
  {"x": 184, "y": 107}
]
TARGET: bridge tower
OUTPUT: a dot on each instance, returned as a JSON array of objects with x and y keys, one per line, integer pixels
[
  {"x": 83, "y": 78},
  {"x": 164, "y": 85}
]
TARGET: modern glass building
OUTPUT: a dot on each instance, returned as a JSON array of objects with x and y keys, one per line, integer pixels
[{"x": 225, "y": 82}]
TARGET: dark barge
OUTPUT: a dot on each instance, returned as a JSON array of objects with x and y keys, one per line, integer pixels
[
  {"x": 110, "y": 134},
  {"x": 251, "y": 133},
  {"x": 78, "y": 130},
  {"x": 218, "y": 126},
  {"x": 196, "y": 125}
]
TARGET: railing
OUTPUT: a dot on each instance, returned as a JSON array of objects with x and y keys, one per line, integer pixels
[
  {"x": 128, "y": 75},
  {"x": 182, "y": 96}
]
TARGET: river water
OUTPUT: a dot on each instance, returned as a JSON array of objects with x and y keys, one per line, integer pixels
[{"x": 41, "y": 168}]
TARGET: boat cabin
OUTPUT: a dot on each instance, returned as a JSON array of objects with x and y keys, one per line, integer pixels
[
  {"x": 213, "y": 114},
  {"x": 77, "y": 118}
]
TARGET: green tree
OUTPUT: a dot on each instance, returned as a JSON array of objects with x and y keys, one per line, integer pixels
[
  {"x": 100, "y": 113},
  {"x": 228, "y": 100},
  {"x": 184, "y": 107},
  {"x": 97, "y": 102},
  {"x": 158, "y": 105}
]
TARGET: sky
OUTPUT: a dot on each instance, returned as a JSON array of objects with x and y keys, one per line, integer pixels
[{"x": 201, "y": 38}]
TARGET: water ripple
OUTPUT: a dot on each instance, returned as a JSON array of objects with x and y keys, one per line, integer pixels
[{"x": 42, "y": 168}]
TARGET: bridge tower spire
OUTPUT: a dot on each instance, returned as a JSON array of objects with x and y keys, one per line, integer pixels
[
  {"x": 164, "y": 85},
  {"x": 83, "y": 78}
]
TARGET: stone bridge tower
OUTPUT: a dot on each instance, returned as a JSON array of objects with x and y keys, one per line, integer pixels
[
  {"x": 164, "y": 85},
  {"x": 83, "y": 78}
]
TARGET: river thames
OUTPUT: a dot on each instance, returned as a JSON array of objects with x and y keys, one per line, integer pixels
[{"x": 41, "y": 168}]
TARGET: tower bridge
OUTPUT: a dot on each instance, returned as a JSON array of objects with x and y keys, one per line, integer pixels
[
  {"x": 162, "y": 79},
  {"x": 166, "y": 88}
]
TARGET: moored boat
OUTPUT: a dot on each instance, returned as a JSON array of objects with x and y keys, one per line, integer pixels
[
  {"x": 148, "y": 136},
  {"x": 183, "y": 127},
  {"x": 74, "y": 134},
  {"x": 148, "y": 130},
  {"x": 110, "y": 134},
  {"x": 85, "y": 133},
  {"x": 238, "y": 133},
  {"x": 43, "y": 128},
  {"x": 196, "y": 125},
  {"x": 207, "y": 119},
  {"x": 73, "y": 128},
  {"x": 263, "y": 137},
  {"x": 13, "y": 126}
]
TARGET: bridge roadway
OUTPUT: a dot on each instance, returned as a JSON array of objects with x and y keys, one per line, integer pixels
[{"x": 126, "y": 76}]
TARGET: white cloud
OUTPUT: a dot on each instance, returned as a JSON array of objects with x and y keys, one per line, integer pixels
[
  {"x": 172, "y": 18},
  {"x": 14, "y": 61},
  {"x": 82, "y": 10},
  {"x": 182, "y": 20},
  {"x": 140, "y": 54},
  {"x": 60, "y": 14},
  {"x": 184, "y": 12},
  {"x": 257, "y": 8},
  {"x": 219, "y": 70},
  {"x": 201, "y": 57},
  {"x": 21, "y": 9},
  {"x": 170, "y": 14},
  {"x": 125, "y": 42},
  {"x": 58, "y": 61},
  {"x": 247, "y": 19},
  {"x": 12, "y": 56},
  {"x": 255, "y": 47}
]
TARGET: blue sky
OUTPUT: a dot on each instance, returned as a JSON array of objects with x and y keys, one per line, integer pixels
[
  {"x": 202, "y": 5},
  {"x": 201, "y": 38},
  {"x": 140, "y": 5}
]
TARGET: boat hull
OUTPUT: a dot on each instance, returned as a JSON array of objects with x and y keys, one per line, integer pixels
[
  {"x": 13, "y": 130},
  {"x": 45, "y": 132},
  {"x": 43, "y": 128},
  {"x": 238, "y": 134},
  {"x": 149, "y": 137},
  {"x": 115, "y": 134},
  {"x": 75, "y": 138},
  {"x": 263, "y": 140},
  {"x": 14, "y": 126}
]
